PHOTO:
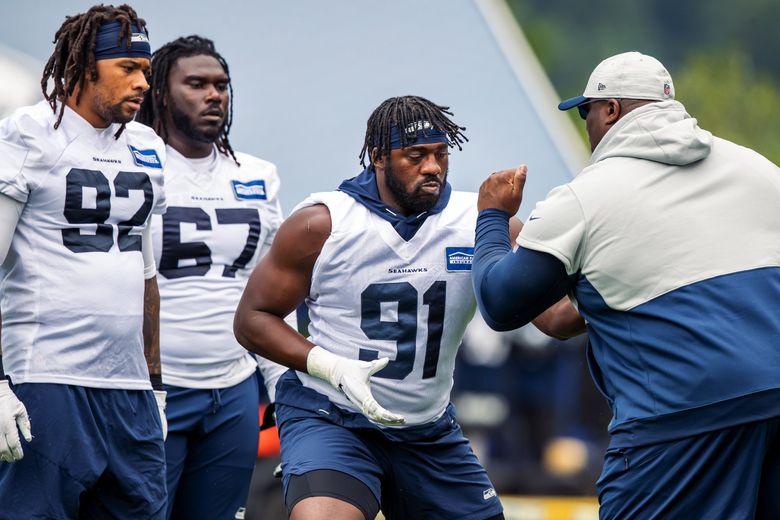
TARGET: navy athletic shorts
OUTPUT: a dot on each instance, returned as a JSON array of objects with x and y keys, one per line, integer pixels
[
  {"x": 729, "y": 473},
  {"x": 423, "y": 472},
  {"x": 96, "y": 453},
  {"x": 211, "y": 449}
]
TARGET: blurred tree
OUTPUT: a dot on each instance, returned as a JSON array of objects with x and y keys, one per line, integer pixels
[{"x": 732, "y": 99}]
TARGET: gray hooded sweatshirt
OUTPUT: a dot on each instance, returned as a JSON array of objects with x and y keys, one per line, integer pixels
[{"x": 672, "y": 239}]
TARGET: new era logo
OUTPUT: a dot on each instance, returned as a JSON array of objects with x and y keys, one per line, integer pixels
[
  {"x": 601, "y": 87},
  {"x": 488, "y": 494}
]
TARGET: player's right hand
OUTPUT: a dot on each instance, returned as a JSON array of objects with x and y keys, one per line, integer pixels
[
  {"x": 352, "y": 378},
  {"x": 503, "y": 190},
  {"x": 13, "y": 414}
]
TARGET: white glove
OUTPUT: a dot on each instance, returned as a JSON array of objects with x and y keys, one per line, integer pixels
[
  {"x": 351, "y": 377},
  {"x": 159, "y": 396},
  {"x": 12, "y": 414}
]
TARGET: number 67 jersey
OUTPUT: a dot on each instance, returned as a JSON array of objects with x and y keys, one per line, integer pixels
[
  {"x": 375, "y": 295},
  {"x": 221, "y": 219},
  {"x": 73, "y": 280}
]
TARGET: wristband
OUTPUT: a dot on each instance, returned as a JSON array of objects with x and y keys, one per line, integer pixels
[{"x": 156, "y": 380}]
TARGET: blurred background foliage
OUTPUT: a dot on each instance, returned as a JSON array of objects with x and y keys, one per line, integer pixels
[{"x": 724, "y": 56}]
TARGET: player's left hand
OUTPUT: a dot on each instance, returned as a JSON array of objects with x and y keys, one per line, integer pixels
[
  {"x": 503, "y": 190},
  {"x": 159, "y": 396}
]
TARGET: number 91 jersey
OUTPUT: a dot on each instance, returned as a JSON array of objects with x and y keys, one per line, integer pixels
[
  {"x": 375, "y": 295},
  {"x": 73, "y": 281},
  {"x": 221, "y": 219}
]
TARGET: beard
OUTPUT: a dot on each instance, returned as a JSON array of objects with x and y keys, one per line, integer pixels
[
  {"x": 184, "y": 124},
  {"x": 111, "y": 113},
  {"x": 414, "y": 201}
]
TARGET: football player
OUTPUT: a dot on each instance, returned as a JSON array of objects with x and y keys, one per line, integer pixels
[
  {"x": 78, "y": 183},
  {"x": 384, "y": 267},
  {"x": 223, "y": 212}
]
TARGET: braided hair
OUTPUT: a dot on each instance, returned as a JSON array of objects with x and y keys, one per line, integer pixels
[
  {"x": 401, "y": 112},
  {"x": 73, "y": 59},
  {"x": 152, "y": 111}
]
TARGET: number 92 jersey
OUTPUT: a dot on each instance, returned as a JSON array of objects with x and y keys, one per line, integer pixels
[
  {"x": 221, "y": 219},
  {"x": 375, "y": 295},
  {"x": 73, "y": 281}
]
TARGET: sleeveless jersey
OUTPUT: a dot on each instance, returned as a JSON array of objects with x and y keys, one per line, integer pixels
[
  {"x": 73, "y": 281},
  {"x": 221, "y": 219},
  {"x": 375, "y": 295}
]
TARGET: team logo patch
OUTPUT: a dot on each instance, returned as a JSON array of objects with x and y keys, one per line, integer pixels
[
  {"x": 139, "y": 37},
  {"x": 146, "y": 158},
  {"x": 418, "y": 126},
  {"x": 459, "y": 258},
  {"x": 249, "y": 190}
]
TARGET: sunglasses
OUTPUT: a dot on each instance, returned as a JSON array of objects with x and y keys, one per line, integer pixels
[{"x": 584, "y": 108}]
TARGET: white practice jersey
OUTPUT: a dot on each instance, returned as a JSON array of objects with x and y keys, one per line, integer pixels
[
  {"x": 73, "y": 281},
  {"x": 221, "y": 219},
  {"x": 375, "y": 295}
]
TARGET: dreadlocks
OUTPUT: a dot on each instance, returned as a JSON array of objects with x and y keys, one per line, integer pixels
[
  {"x": 401, "y": 112},
  {"x": 152, "y": 109},
  {"x": 73, "y": 59}
]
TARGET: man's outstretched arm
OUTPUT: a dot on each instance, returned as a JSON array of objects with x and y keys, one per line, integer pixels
[{"x": 514, "y": 287}]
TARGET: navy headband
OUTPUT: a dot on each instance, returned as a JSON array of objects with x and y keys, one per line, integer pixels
[
  {"x": 108, "y": 45},
  {"x": 419, "y": 132}
]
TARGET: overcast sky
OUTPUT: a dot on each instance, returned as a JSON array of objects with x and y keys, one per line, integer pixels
[{"x": 307, "y": 74}]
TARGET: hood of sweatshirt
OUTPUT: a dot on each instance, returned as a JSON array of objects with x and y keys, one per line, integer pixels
[{"x": 662, "y": 132}]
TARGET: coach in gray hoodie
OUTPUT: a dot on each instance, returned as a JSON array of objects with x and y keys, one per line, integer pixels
[{"x": 669, "y": 242}]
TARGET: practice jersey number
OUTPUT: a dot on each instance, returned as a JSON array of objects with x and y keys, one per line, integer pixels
[
  {"x": 174, "y": 250},
  {"x": 75, "y": 212},
  {"x": 404, "y": 330}
]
